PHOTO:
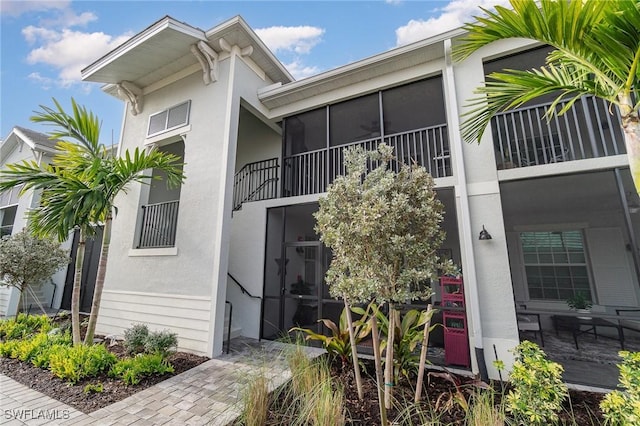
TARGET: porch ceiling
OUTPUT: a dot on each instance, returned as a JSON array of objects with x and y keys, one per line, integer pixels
[{"x": 587, "y": 192}]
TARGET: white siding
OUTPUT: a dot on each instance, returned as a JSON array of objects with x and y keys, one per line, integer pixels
[{"x": 186, "y": 315}]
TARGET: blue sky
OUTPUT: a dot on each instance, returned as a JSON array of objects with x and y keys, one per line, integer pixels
[{"x": 45, "y": 44}]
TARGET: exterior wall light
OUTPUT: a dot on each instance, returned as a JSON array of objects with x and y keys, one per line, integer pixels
[{"x": 484, "y": 234}]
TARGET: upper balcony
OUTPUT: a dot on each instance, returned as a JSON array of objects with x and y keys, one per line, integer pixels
[{"x": 525, "y": 137}]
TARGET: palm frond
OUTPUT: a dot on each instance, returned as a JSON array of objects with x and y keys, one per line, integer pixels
[{"x": 512, "y": 88}]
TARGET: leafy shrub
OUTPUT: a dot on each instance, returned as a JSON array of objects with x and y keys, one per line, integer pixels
[
  {"x": 538, "y": 390},
  {"x": 7, "y": 348},
  {"x": 161, "y": 342},
  {"x": 135, "y": 337},
  {"x": 409, "y": 332},
  {"x": 73, "y": 363},
  {"x": 24, "y": 326},
  {"x": 339, "y": 343},
  {"x": 93, "y": 388},
  {"x": 132, "y": 370},
  {"x": 623, "y": 407},
  {"x": 41, "y": 358},
  {"x": 31, "y": 348}
]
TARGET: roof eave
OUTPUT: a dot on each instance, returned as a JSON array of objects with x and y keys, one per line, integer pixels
[{"x": 165, "y": 23}]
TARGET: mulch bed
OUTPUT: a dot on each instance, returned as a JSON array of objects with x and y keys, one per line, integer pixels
[
  {"x": 114, "y": 390},
  {"x": 583, "y": 407}
]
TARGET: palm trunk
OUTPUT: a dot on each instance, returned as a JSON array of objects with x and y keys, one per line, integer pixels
[
  {"x": 631, "y": 129},
  {"x": 378, "y": 362},
  {"x": 102, "y": 270},
  {"x": 388, "y": 368},
  {"x": 75, "y": 294},
  {"x": 354, "y": 350}
]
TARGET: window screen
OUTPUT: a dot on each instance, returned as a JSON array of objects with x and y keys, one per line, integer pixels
[
  {"x": 555, "y": 264},
  {"x": 169, "y": 119}
]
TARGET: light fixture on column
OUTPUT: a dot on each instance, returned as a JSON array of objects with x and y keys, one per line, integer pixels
[{"x": 484, "y": 234}]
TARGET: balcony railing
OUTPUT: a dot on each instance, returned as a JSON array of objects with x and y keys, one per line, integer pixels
[
  {"x": 311, "y": 172},
  {"x": 159, "y": 225},
  {"x": 256, "y": 181},
  {"x": 524, "y": 137}
]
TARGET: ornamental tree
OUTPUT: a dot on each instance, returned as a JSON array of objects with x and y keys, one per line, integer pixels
[
  {"x": 384, "y": 231},
  {"x": 26, "y": 260}
]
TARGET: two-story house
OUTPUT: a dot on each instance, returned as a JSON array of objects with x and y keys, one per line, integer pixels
[{"x": 260, "y": 148}]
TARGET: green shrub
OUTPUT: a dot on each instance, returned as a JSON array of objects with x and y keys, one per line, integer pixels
[
  {"x": 623, "y": 407},
  {"x": 161, "y": 342},
  {"x": 24, "y": 326},
  {"x": 29, "y": 349},
  {"x": 93, "y": 388},
  {"x": 339, "y": 343},
  {"x": 132, "y": 370},
  {"x": 41, "y": 358},
  {"x": 73, "y": 363},
  {"x": 538, "y": 390},
  {"x": 7, "y": 348},
  {"x": 135, "y": 337}
]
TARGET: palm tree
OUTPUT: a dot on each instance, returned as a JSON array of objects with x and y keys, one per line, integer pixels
[
  {"x": 596, "y": 51},
  {"x": 79, "y": 187}
]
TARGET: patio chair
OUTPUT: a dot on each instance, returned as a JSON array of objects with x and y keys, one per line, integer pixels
[{"x": 530, "y": 322}]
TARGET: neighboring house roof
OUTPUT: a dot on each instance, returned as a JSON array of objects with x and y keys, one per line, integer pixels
[
  {"x": 37, "y": 141},
  {"x": 164, "y": 49}
]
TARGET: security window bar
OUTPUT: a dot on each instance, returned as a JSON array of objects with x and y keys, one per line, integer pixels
[
  {"x": 169, "y": 119},
  {"x": 555, "y": 264}
]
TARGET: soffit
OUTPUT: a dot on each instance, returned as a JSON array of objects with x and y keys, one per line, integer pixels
[
  {"x": 385, "y": 63},
  {"x": 163, "y": 49},
  {"x": 151, "y": 55}
]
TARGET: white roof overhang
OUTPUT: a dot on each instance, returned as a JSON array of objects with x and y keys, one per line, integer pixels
[
  {"x": 164, "y": 49},
  {"x": 151, "y": 55}
]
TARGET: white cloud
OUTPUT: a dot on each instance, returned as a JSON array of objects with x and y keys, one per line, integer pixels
[
  {"x": 68, "y": 18},
  {"x": 299, "y": 70},
  {"x": 69, "y": 51},
  {"x": 17, "y": 8},
  {"x": 452, "y": 16},
  {"x": 393, "y": 1},
  {"x": 299, "y": 39},
  {"x": 44, "y": 82}
]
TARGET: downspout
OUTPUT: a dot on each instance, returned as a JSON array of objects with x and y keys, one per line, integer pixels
[
  {"x": 627, "y": 221},
  {"x": 470, "y": 278}
]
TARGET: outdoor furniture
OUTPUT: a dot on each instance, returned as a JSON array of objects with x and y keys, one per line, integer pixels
[
  {"x": 530, "y": 322},
  {"x": 575, "y": 326},
  {"x": 630, "y": 323}
]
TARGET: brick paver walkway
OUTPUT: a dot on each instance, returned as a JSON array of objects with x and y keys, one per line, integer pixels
[{"x": 209, "y": 394}]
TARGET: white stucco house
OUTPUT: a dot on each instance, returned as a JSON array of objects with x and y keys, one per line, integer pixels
[
  {"x": 260, "y": 148},
  {"x": 24, "y": 144}
]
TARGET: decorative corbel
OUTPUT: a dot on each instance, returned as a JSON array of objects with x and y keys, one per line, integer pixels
[
  {"x": 133, "y": 94},
  {"x": 206, "y": 73},
  {"x": 212, "y": 59},
  {"x": 208, "y": 59},
  {"x": 247, "y": 51}
]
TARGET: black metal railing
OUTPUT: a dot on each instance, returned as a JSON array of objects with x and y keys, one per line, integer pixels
[
  {"x": 159, "y": 223},
  {"x": 311, "y": 172},
  {"x": 256, "y": 181},
  {"x": 525, "y": 137},
  {"x": 242, "y": 289}
]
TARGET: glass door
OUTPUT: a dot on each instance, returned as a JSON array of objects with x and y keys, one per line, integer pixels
[{"x": 302, "y": 285}]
